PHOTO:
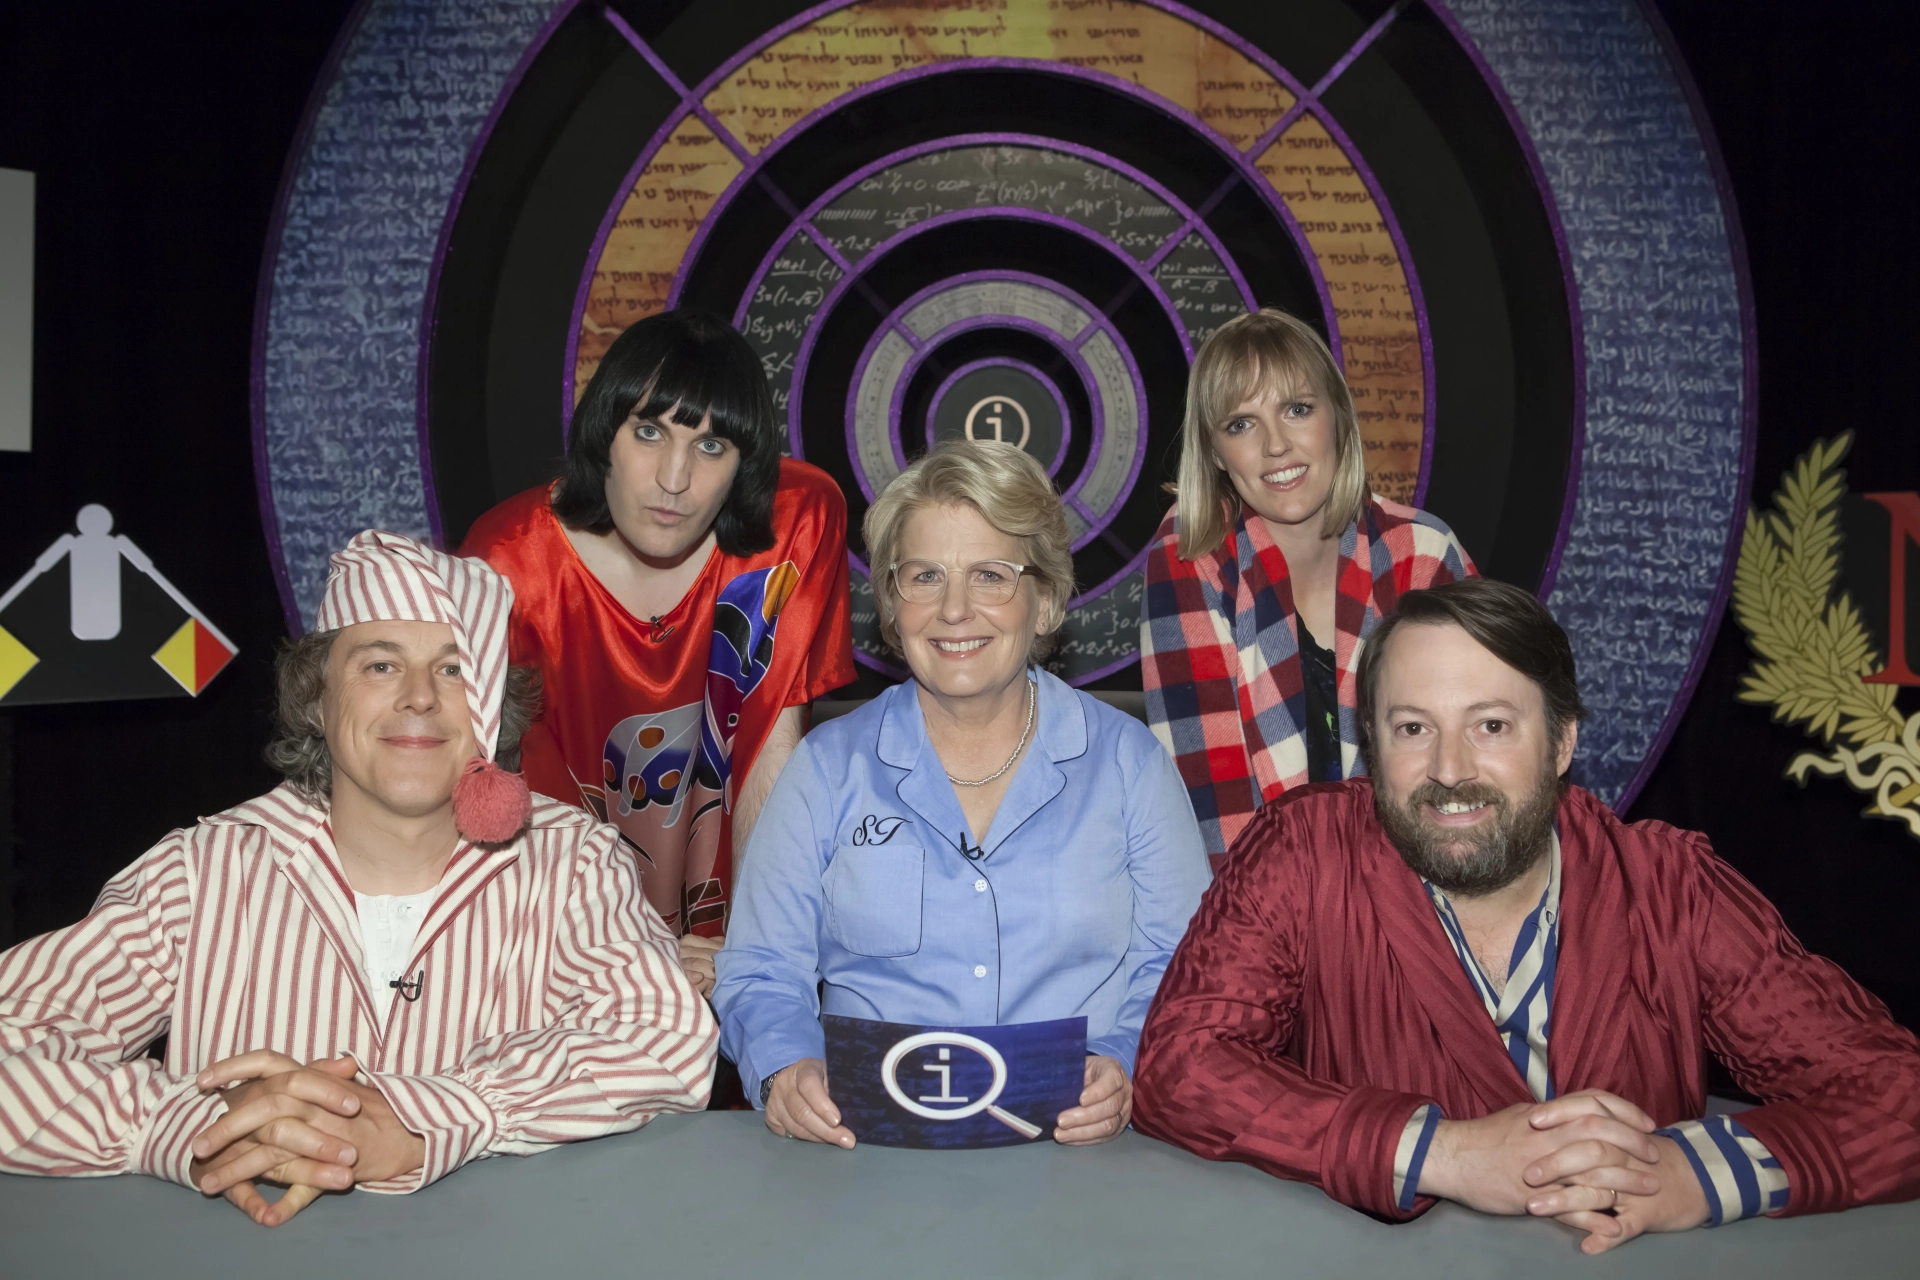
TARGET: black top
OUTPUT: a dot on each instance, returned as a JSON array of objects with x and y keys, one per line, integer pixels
[{"x": 1323, "y": 708}]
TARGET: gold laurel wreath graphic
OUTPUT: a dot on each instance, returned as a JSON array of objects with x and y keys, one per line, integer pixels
[{"x": 1811, "y": 648}]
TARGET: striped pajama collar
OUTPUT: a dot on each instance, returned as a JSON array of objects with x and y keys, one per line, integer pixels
[{"x": 1523, "y": 1011}]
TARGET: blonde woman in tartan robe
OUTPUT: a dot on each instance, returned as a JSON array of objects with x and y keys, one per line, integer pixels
[{"x": 1269, "y": 574}]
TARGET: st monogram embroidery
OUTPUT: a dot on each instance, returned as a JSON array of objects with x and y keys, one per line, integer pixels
[{"x": 874, "y": 829}]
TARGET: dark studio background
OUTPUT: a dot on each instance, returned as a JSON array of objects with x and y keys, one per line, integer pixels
[{"x": 159, "y": 133}]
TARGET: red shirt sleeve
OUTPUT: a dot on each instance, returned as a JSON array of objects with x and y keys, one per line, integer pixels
[
  {"x": 1214, "y": 1075},
  {"x": 1839, "y": 1078},
  {"x": 823, "y": 595}
]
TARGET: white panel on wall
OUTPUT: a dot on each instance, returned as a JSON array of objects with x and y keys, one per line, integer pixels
[{"x": 16, "y": 310}]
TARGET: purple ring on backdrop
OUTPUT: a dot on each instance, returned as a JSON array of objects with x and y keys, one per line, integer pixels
[
  {"x": 1190, "y": 223},
  {"x": 1241, "y": 162},
  {"x": 423, "y": 386},
  {"x": 1749, "y": 390},
  {"x": 337, "y": 76},
  {"x": 1070, "y": 497},
  {"x": 923, "y": 347},
  {"x": 1069, "y": 347},
  {"x": 1100, "y": 321},
  {"x": 1523, "y": 63},
  {"x": 692, "y": 103},
  {"x": 980, "y": 322},
  {"x": 1305, "y": 100},
  {"x": 1243, "y": 166},
  {"x": 263, "y": 289},
  {"x": 1577, "y": 335},
  {"x": 262, "y": 304},
  {"x": 1002, "y": 362},
  {"x": 1094, "y": 523},
  {"x": 924, "y": 351}
]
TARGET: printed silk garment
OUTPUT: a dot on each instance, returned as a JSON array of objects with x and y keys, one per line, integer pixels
[{"x": 653, "y": 724}]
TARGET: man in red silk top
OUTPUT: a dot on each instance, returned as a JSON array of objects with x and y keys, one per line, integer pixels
[
  {"x": 682, "y": 589},
  {"x": 1464, "y": 979}
]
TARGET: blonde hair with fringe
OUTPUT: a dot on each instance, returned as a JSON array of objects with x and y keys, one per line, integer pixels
[
  {"x": 1011, "y": 493},
  {"x": 1265, "y": 352}
]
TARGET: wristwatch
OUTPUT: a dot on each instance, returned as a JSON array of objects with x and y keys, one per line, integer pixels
[{"x": 766, "y": 1090}]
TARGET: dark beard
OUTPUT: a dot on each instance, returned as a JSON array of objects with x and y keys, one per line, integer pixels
[{"x": 1495, "y": 854}]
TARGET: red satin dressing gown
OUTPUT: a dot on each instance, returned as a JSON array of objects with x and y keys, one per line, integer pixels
[
  {"x": 1315, "y": 1003},
  {"x": 653, "y": 725}
]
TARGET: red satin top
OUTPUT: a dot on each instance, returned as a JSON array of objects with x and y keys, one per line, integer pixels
[
  {"x": 1315, "y": 1003},
  {"x": 653, "y": 725}
]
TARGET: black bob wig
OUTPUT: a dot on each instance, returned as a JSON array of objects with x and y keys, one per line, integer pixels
[{"x": 703, "y": 366}]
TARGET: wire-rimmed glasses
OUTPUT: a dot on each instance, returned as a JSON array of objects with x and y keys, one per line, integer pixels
[{"x": 988, "y": 581}]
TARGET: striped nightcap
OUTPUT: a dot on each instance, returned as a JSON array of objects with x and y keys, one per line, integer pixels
[{"x": 388, "y": 577}]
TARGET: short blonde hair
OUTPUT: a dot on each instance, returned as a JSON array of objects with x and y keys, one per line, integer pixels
[
  {"x": 1011, "y": 493},
  {"x": 1262, "y": 351}
]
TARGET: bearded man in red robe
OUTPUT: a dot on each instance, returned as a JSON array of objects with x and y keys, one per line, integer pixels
[{"x": 1465, "y": 979}]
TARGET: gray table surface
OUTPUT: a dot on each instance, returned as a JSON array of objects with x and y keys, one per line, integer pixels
[{"x": 716, "y": 1195}]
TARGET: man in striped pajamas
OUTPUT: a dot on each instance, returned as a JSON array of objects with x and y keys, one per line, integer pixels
[
  {"x": 1465, "y": 979},
  {"x": 394, "y": 963}
]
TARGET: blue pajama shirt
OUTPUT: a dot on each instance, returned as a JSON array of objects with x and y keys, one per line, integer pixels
[{"x": 861, "y": 893}]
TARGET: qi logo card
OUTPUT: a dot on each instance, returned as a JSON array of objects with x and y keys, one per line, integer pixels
[{"x": 900, "y": 1085}]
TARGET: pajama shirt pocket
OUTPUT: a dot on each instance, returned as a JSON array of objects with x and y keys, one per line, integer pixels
[{"x": 873, "y": 895}]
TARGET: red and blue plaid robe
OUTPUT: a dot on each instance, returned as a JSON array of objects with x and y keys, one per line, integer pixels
[{"x": 1220, "y": 658}]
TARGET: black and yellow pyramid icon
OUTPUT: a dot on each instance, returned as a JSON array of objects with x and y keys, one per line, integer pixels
[{"x": 95, "y": 621}]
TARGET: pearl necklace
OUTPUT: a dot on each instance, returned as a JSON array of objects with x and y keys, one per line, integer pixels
[{"x": 1032, "y": 685}]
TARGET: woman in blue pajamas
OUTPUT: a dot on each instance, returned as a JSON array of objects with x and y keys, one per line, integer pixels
[{"x": 979, "y": 845}]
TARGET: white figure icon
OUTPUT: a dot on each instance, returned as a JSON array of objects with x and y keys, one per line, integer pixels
[
  {"x": 94, "y": 555},
  {"x": 94, "y": 607}
]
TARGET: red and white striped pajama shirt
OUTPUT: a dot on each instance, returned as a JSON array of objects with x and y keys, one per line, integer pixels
[{"x": 552, "y": 1005}]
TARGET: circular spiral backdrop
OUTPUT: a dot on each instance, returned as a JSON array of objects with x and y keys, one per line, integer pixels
[{"x": 1018, "y": 219}]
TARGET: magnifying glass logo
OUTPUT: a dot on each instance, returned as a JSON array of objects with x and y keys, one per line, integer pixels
[{"x": 946, "y": 1040}]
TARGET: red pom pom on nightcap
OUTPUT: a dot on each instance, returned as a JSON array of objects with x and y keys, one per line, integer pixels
[{"x": 490, "y": 805}]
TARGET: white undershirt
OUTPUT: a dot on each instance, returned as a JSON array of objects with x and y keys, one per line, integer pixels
[{"x": 388, "y": 925}]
